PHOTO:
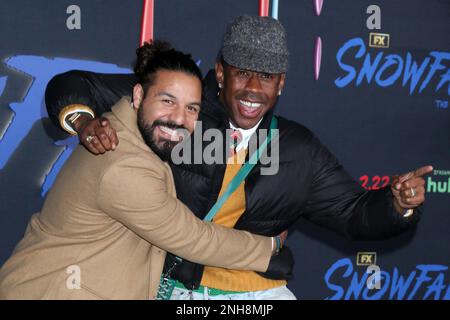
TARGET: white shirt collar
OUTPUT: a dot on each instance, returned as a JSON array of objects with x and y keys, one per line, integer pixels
[{"x": 246, "y": 135}]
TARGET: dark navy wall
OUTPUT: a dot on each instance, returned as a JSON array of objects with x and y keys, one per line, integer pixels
[{"x": 377, "y": 128}]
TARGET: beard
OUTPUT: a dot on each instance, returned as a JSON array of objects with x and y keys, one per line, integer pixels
[{"x": 163, "y": 148}]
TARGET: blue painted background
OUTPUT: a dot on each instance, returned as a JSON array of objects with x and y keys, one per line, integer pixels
[{"x": 381, "y": 111}]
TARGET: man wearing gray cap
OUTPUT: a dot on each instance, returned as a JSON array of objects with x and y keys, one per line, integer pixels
[{"x": 240, "y": 94}]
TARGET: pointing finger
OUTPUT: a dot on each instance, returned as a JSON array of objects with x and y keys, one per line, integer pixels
[{"x": 423, "y": 171}]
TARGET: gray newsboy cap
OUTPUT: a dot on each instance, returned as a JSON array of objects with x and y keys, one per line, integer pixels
[{"x": 256, "y": 43}]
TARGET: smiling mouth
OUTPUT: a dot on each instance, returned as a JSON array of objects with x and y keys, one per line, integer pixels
[
  {"x": 249, "y": 109},
  {"x": 249, "y": 104},
  {"x": 173, "y": 134}
]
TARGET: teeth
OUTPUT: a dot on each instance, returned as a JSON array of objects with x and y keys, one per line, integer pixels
[
  {"x": 169, "y": 131},
  {"x": 250, "y": 104}
]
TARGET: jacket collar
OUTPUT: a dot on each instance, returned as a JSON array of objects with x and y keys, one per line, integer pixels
[
  {"x": 127, "y": 116},
  {"x": 211, "y": 105}
]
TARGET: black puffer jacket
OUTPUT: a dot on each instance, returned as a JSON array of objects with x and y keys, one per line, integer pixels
[{"x": 310, "y": 182}]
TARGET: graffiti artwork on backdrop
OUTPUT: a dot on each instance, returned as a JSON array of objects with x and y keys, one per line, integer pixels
[
  {"x": 41, "y": 70},
  {"x": 28, "y": 111}
]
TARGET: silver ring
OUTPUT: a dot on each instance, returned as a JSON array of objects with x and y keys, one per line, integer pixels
[
  {"x": 413, "y": 193},
  {"x": 89, "y": 139}
]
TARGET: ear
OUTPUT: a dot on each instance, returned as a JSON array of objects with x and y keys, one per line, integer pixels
[
  {"x": 138, "y": 95},
  {"x": 281, "y": 83},
  {"x": 219, "y": 73}
]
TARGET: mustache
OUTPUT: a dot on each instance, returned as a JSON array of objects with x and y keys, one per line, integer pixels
[
  {"x": 168, "y": 124},
  {"x": 247, "y": 95}
]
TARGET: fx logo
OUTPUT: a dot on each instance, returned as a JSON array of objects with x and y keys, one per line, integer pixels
[
  {"x": 366, "y": 258},
  {"x": 379, "y": 40}
]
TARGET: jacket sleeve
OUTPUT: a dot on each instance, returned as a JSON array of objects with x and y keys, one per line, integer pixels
[
  {"x": 136, "y": 195},
  {"x": 98, "y": 91},
  {"x": 337, "y": 202}
]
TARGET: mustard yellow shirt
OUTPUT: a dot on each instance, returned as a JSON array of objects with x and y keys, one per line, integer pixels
[{"x": 228, "y": 215}]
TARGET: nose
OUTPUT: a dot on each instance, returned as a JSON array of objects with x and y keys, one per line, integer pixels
[
  {"x": 253, "y": 83},
  {"x": 178, "y": 115}
]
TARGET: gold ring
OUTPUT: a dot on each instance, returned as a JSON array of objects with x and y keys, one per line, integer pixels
[{"x": 89, "y": 139}]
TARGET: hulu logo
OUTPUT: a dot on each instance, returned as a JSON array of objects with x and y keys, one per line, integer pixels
[{"x": 438, "y": 186}]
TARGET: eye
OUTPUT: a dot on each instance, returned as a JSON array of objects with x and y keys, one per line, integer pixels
[
  {"x": 265, "y": 76},
  {"x": 242, "y": 73},
  {"x": 192, "y": 108},
  {"x": 168, "y": 101}
]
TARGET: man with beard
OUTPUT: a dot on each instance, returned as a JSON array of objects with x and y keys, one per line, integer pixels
[
  {"x": 104, "y": 235},
  {"x": 240, "y": 94}
]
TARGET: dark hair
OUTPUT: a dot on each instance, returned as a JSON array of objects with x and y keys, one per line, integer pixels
[{"x": 159, "y": 55}]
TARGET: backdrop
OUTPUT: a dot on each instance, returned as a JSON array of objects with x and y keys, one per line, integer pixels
[{"x": 370, "y": 78}]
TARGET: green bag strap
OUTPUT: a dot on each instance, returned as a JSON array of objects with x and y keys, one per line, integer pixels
[
  {"x": 233, "y": 185},
  {"x": 242, "y": 173}
]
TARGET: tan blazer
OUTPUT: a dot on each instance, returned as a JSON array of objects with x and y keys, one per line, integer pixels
[{"x": 113, "y": 217}]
